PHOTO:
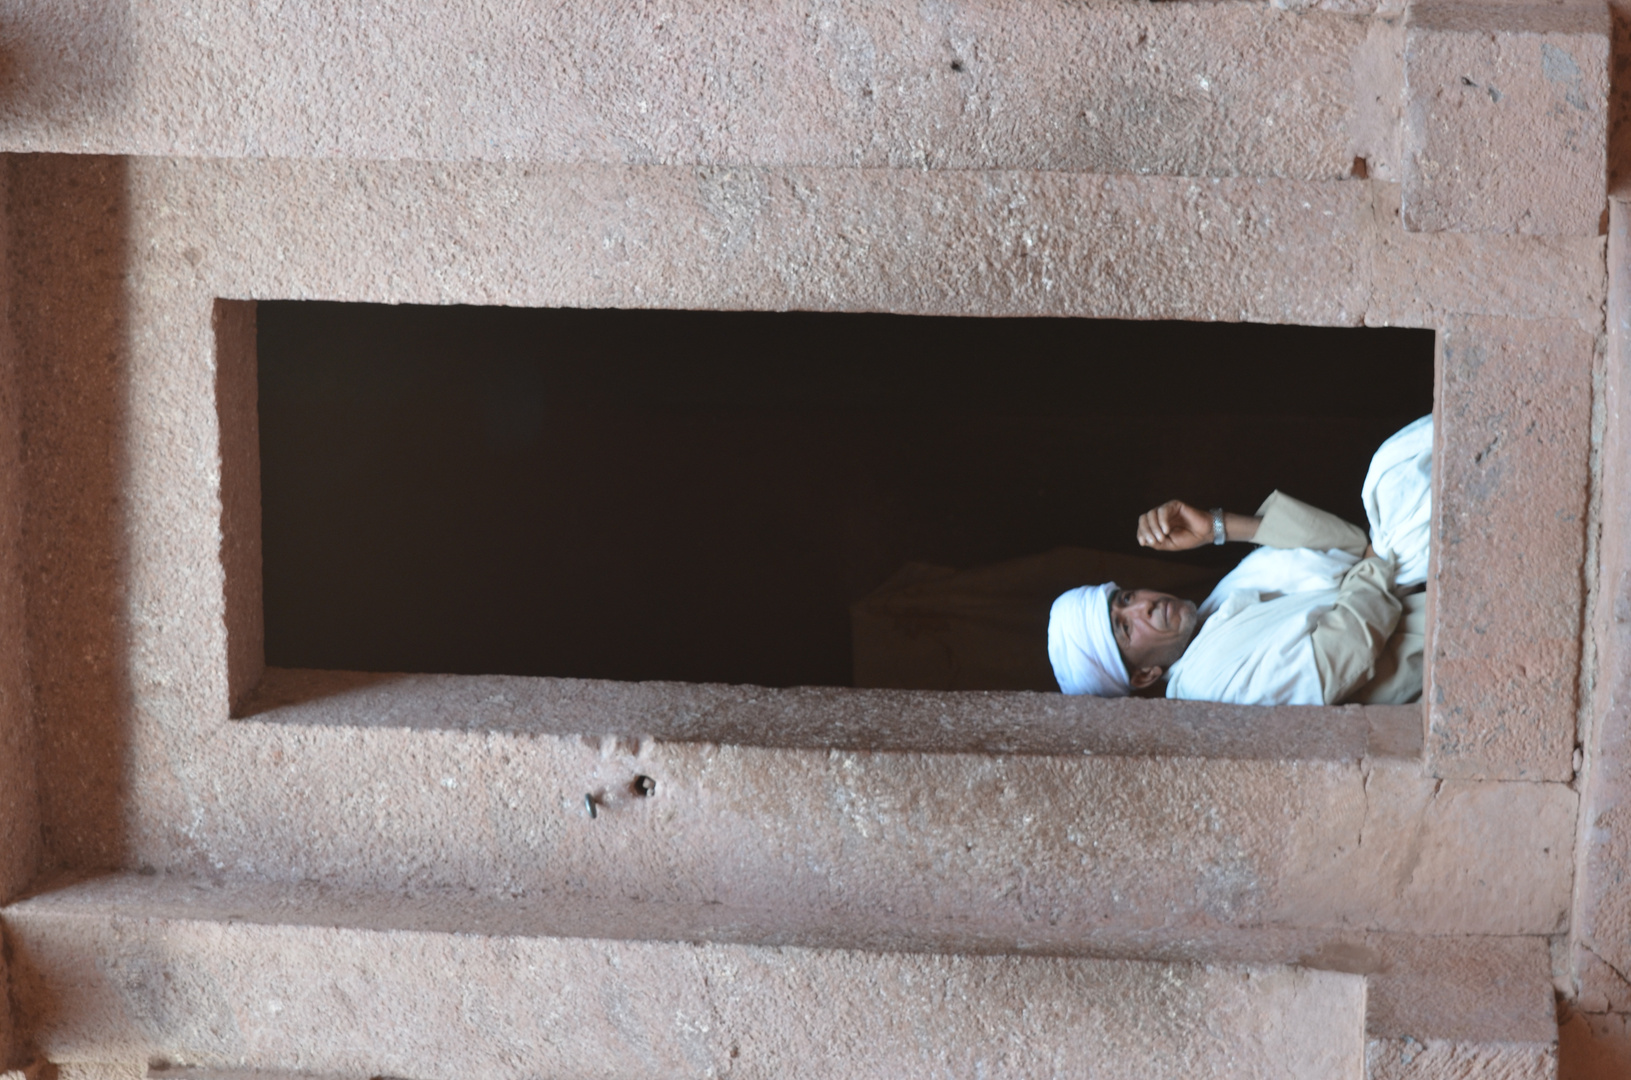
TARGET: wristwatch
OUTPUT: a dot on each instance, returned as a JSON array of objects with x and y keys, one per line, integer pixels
[{"x": 1218, "y": 536}]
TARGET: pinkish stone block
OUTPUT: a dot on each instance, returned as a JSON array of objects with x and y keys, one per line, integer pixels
[
  {"x": 1186, "y": 89},
  {"x": 1602, "y": 918},
  {"x": 364, "y": 1002},
  {"x": 20, "y": 847},
  {"x": 67, "y": 230},
  {"x": 239, "y": 424},
  {"x": 1414, "y": 1059},
  {"x": 1598, "y": 987},
  {"x": 1506, "y": 122},
  {"x": 1594, "y": 1046},
  {"x": 1424, "y": 279},
  {"x": 1511, "y": 488}
]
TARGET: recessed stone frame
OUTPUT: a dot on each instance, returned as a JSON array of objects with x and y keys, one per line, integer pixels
[
  {"x": 1518, "y": 318},
  {"x": 809, "y": 718},
  {"x": 806, "y": 717}
]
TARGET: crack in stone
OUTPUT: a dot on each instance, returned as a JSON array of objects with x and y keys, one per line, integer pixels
[
  {"x": 1607, "y": 963},
  {"x": 1364, "y": 788},
  {"x": 714, "y": 1012},
  {"x": 1413, "y": 852}
]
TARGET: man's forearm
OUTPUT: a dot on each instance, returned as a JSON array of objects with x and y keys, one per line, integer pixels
[{"x": 1240, "y": 526}]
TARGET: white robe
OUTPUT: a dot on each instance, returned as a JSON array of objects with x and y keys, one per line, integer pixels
[
  {"x": 1398, "y": 496},
  {"x": 1256, "y": 645}
]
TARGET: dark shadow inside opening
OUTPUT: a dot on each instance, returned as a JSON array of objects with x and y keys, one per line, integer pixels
[{"x": 701, "y": 496}]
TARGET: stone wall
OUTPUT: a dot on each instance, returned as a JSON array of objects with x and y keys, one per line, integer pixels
[{"x": 1174, "y": 161}]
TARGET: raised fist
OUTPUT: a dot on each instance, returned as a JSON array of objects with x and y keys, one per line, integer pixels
[{"x": 1174, "y": 526}]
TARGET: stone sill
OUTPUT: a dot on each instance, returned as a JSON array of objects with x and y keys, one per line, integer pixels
[{"x": 836, "y": 718}]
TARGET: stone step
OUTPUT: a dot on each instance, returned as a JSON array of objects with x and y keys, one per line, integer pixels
[
  {"x": 103, "y": 978},
  {"x": 1433, "y": 1001}
]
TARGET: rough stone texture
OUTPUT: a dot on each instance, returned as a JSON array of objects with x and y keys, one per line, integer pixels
[
  {"x": 13, "y": 1042},
  {"x": 20, "y": 847},
  {"x": 68, "y": 320},
  {"x": 1411, "y": 1059},
  {"x": 1465, "y": 989},
  {"x": 444, "y": 789},
  {"x": 830, "y": 158},
  {"x": 285, "y": 800},
  {"x": 1600, "y": 926},
  {"x": 441, "y": 1005},
  {"x": 1512, "y": 452},
  {"x": 135, "y": 1069},
  {"x": 820, "y": 239},
  {"x": 1183, "y": 89},
  {"x": 1428, "y": 279},
  {"x": 1106, "y": 849},
  {"x": 1506, "y": 125},
  {"x": 236, "y": 397},
  {"x": 1598, "y": 987},
  {"x": 819, "y": 718},
  {"x": 19, "y": 799},
  {"x": 1594, "y": 1046},
  {"x": 1619, "y": 103}
]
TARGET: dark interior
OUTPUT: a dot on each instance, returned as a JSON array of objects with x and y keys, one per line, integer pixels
[{"x": 701, "y": 495}]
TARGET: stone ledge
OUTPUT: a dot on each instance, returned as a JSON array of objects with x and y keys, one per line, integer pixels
[{"x": 834, "y": 718}]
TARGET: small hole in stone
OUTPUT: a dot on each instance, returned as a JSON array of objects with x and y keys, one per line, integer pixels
[
  {"x": 957, "y": 65},
  {"x": 643, "y": 786},
  {"x": 736, "y": 1051},
  {"x": 1360, "y": 169},
  {"x": 1467, "y": 82}
]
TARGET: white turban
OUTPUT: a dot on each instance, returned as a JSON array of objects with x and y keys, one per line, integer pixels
[{"x": 1082, "y": 646}]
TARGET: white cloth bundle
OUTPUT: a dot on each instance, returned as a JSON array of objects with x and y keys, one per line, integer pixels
[
  {"x": 1082, "y": 645},
  {"x": 1398, "y": 496}
]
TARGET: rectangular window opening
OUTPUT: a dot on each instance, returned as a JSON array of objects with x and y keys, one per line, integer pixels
[{"x": 732, "y": 497}]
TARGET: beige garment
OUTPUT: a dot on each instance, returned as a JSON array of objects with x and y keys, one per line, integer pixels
[
  {"x": 1290, "y": 523},
  {"x": 1398, "y": 668},
  {"x": 1368, "y": 648}
]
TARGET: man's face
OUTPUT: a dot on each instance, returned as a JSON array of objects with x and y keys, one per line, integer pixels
[{"x": 1153, "y": 630}]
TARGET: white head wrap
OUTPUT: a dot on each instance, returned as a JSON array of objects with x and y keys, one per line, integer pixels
[{"x": 1082, "y": 646}]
